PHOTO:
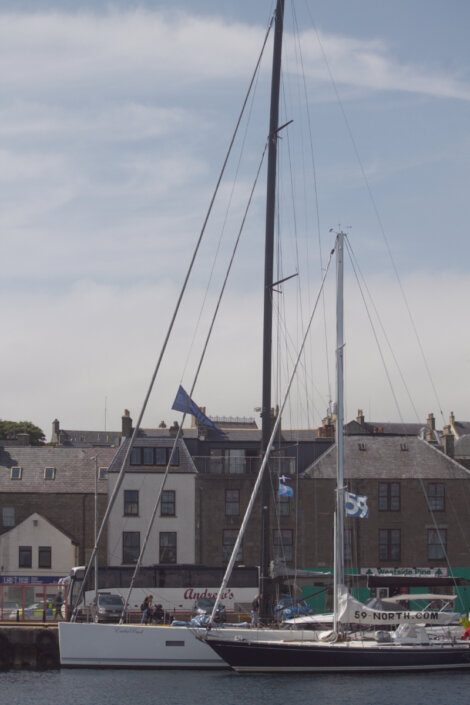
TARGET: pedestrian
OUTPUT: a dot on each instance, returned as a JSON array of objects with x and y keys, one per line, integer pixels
[
  {"x": 147, "y": 609},
  {"x": 158, "y": 614},
  {"x": 58, "y": 602}
]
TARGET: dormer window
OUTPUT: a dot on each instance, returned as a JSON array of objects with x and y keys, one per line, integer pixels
[
  {"x": 16, "y": 473},
  {"x": 102, "y": 473},
  {"x": 361, "y": 446},
  {"x": 403, "y": 446},
  {"x": 49, "y": 473}
]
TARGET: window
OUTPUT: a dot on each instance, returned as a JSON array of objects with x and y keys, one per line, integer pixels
[
  {"x": 347, "y": 545},
  {"x": 8, "y": 516},
  {"x": 25, "y": 557},
  {"x": 175, "y": 460},
  {"x": 130, "y": 546},
  {"x": 232, "y": 503},
  {"x": 283, "y": 545},
  {"x": 436, "y": 496},
  {"x": 389, "y": 544},
  {"x": 228, "y": 461},
  {"x": 389, "y": 496},
  {"x": 136, "y": 456},
  {"x": 16, "y": 473},
  {"x": 102, "y": 473},
  {"x": 284, "y": 506},
  {"x": 168, "y": 505},
  {"x": 44, "y": 557},
  {"x": 131, "y": 503},
  {"x": 154, "y": 456},
  {"x": 437, "y": 544},
  {"x": 49, "y": 473},
  {"x": 160, "y": 456},
  {"x": 147, "y": 455},
  {"x": 167, "y": 546},
  {"x": 228, "y": 542}
]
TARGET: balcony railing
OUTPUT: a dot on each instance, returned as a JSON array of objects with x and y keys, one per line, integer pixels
[{"x": 222, "y": 465}]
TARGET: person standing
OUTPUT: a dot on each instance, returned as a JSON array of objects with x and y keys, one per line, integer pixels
[{"x": 147, "y": 609}]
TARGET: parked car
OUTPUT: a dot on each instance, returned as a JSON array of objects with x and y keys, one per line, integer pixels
[
  {"x": 37, "y": 611},
  {"x": 108, "y": 607},
  {"x": 9, "y": 609}
]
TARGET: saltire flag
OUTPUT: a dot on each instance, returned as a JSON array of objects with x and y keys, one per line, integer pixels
[
  {"x": 356, "y": 505},
  {"x": 284, "y": 489},
  {"x": 184, "y": 403}
]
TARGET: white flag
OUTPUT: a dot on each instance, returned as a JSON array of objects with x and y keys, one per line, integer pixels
[{"x": 355, "y": 505}]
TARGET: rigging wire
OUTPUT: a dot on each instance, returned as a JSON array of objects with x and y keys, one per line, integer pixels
[
  {"x": 135, "y": 432},
  {"x": 378, "y": 216},
  {"x": 384, "y": 333},
  {"x": 201, "y": 360}
]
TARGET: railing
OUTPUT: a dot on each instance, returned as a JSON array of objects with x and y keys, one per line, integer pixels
[
  {"x": 31, "y": 602},
  {"x": 232, "y": 465}
]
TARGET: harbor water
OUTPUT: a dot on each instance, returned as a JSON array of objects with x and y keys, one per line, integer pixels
[{"x": 122, "y": 687}]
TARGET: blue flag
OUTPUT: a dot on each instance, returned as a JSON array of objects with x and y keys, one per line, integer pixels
[
  {"x": 184, "y": 403},
  {"x": 356, "y": 505},
  {"x": 284, "y": 489}
]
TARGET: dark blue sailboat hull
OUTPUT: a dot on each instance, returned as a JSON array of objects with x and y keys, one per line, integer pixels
[{"x": 314, "y": 656}]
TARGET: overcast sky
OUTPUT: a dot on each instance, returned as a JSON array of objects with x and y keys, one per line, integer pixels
[{"x": 114, "y": 122}]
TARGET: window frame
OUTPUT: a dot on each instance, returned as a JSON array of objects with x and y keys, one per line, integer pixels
[
  {"x": 16, "y": 472},
  {"x": 283, "y": 548},
  {"x": 227, "y": 545},
  {"x": 25, "y": 556},
  {"x": 130, "y": 505},
  {"x": 232, "y": 506},
  {"x": 169, "y": 502},
  {"x": 8, "y": 511},
  {"x": 434, "y": 498},
  {"x": 130, "y": 545},
  {"x": 171, "y": 548},
  {"x": 51, "y": 474},
  {"x": 437, "y": 547},
  {"x": 45, "y": 551},
  {"x": 392, "y": 547},
  {"x": 387, "y": 499}
]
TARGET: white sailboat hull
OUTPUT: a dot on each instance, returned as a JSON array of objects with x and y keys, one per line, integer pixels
[{"x": 90, "y": 645}]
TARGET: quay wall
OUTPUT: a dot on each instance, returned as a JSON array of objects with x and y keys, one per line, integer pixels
[{"x": 28, "y": 646}]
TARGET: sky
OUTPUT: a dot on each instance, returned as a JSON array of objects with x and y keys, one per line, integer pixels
[{"x": 115, "y": 118}]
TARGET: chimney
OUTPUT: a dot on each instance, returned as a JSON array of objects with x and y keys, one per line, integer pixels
[
  {"x": 55, "y": 437},
  {"x": 431, "y": 422},
  {"x": 452, "y": 418},
  {"x": 360, "y": 417},
  {"x": 23, "y": 439},
  {"x": 448, "y": 441},
  {"x": 174, "y": 429},
  {"x": 327, "y": 430},
  {"x": 126, "y": 424}
]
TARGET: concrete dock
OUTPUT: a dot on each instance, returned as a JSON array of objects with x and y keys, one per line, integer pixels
[{"x": 29, "y": 646}]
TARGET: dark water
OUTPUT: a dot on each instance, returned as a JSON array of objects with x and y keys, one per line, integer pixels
[{"x": 93, "y": 687}]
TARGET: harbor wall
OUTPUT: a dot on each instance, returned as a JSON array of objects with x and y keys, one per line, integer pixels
[{"x": 34, "y": 647}]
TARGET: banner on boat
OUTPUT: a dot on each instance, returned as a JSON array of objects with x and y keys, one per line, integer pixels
[
  {"x": 185, "y": 404},
  {"x": 351, "y": 611}
]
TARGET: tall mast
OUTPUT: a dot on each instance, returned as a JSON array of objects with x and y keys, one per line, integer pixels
[
  {"x": 339, "y": 523},
  {"x": 265, "y": 585}
]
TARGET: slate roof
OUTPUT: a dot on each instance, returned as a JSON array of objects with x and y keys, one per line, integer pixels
[
  {"x": 75, "y": 468},
  {"x": 87, "y": 439},
  {"x": 461, "y": 428},
  {"x": 462, "y": 447},
  {"x": 384, "y": 428},
  {"x": 383, "y": 457}
]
